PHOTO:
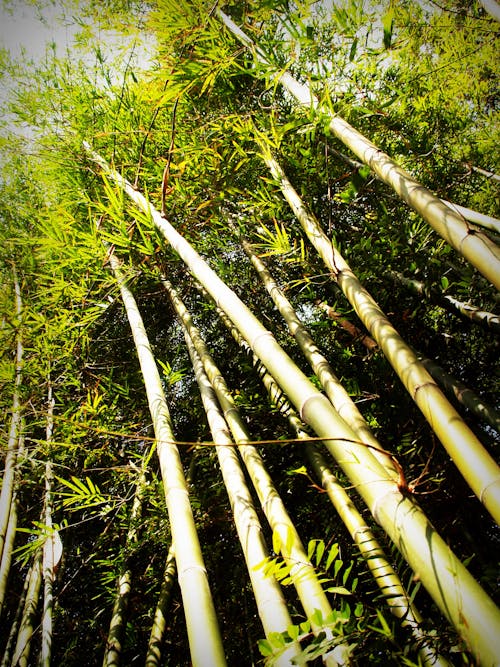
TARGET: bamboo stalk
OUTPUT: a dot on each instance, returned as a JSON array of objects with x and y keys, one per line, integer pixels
[
  {"x": 10, "y": 535},
  {"x": 302, "y": 571},
  {"x": 15, "y": 423},
  {"x": 463, "y": 394},
  {"x": 204, "y": 637},
  {"x": 475, "y": 247},
  {"x": 486, "y": 221},
  {"x": 475, "y": 464},
  {"x": 457, "y": 594},
  {"x": 153, "y": 655},
  {"x": 268, "y": 596},
  {"x": 384, "y": 574},
  {"x": 113, "y": 649},
  {"x": 27, "y": 628},
  {"x": 488, "y": 321},
  {"x": 351, "y": 328},
  {"x": 493, "y": 9},
  {"x": 48, "y": 552},
  {"x": 338, "y": 396},
  {"x": 14, "y": 629}
]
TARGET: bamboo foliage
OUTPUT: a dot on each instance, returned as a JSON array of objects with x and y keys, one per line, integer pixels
[
  {"x": 457, "y": 594},
  {"x": 476, "y": 247},
  {"x": 476, "y": 465},
  {"x": 203, "y": 631}
]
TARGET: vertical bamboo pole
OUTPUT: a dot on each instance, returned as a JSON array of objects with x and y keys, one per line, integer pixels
[
  {"x": 49, "y": 557},
  {"x": 15, "y": 422}
]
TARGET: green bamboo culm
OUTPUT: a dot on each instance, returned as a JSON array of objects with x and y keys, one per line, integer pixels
[
  {"x": 339, "y": 397},
  {"x": 268, "y": 596},
  {"x": 478, "y": 468},
  {"x": 476, "y": 247},
  {"x": 117, "y": 625},
  {"x": 384, "y": 574},
  {"x": 463, "y": 601},
  {"x": 204, "y": 637},
  {"x": 8, "y": 477},
  {"x": 302, "y": 571}
]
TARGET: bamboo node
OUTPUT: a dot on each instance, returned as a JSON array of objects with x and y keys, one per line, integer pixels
[
  {"x": 303, "y": 405},
  {"x": 380, "y": 501},
  {"x": 188, "y": 569},
  {"x": 422, "y": 386},
  {"x": 264, "y": 334},
  {"x": 486, "y": 488}
]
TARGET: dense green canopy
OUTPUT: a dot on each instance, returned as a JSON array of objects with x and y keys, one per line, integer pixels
[{"x": 160, "y": 186}]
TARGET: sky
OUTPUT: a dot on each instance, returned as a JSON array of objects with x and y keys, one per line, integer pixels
[
  {"x": 27, "y": 30},
  {"x": 21, "y": 27}
]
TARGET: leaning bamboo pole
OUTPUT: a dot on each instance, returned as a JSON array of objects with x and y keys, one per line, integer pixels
[
  {"x": 14, "y": 628},
  {"x": 475, "y": 464},
  {"x": 489, "y": 321},
  {"x": 270, "y": 602},
  {"x": 113, "y": 649},
  {"x": 384, "y": 574},
  {"x": 335, "y": 391},
  {"x": 204, "y": 637},
  {"x": 28, "y": 626},
  {"x": 476, "y": 247},
  {"x": 455, "y": 591},
  {"x": 49, "y": 563},
  {"x": 480, "y": 219},
  {"x": 10, "y": 536},
  {"x": 153, "y": 654},
  {"x": 302, "y": 571},
  {"x": 158, "y": 627},
  {"x": 15, "y": 423},
  {"x": 462, "y": 393}
]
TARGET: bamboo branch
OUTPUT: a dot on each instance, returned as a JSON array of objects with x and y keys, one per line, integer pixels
[
  {"x": 488, "y": 321},
  {"x": 351, "y": 328}
]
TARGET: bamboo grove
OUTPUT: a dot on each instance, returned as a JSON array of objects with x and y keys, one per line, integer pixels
[{"x": 249, "y": 341}]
